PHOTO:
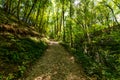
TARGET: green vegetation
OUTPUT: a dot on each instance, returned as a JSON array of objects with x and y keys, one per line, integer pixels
[
  {"x": 102, "y": 58},
  {"x": 17, "y": 54},
  {"x": 89, "y": 29},
  {"x": 20, "y": 47}
]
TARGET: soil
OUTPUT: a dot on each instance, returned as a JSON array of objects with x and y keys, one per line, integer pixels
[{"x": 56, "y": 64}]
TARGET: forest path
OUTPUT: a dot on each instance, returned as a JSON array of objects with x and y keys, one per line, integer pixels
[{"x": 56, "y": 64}]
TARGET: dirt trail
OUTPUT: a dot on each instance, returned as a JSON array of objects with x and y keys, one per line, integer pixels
[{"x": 56, "y": 64}]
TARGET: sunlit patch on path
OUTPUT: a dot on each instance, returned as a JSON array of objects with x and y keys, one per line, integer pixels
[
  {"x": 56, "y": 64},
  {"x": 43, "y": 77},
  {"x": 52, "y": 42}
]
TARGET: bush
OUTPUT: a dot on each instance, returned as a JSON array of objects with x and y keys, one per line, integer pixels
[{"x": 21, "y": 53}]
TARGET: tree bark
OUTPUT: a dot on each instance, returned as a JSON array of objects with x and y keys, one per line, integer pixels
[
  {"x": 35, "y": 1},
  {"x": 18, "y": 9},
  {"x": 71, "y": 40},
  {"x": 63, "y": 20}
]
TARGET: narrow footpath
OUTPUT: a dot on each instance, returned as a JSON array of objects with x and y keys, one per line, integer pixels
[{"x": 56, "y": 64}]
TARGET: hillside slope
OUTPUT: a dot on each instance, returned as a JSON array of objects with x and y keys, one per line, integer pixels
[
  {"x": 101, "y": 57},
  {"x": 20, "y": 46}
]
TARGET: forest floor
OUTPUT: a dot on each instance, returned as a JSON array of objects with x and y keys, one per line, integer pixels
[{"x": 56, "y": 64}]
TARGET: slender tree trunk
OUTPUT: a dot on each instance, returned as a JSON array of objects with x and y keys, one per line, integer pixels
[
  {"x": 63, "y": 21},
  {"x": 60, "y": 22},
  {"x": 71, "y": 40},
  {"x": 107, "y": 19},
  {"x": 35, "y": 1},
  {"x": 57, "y": 24},
  {"x": 113, "y": 14},
  {"x": 37, "y": 16},
  {"x": 41, "y": 20},
  {"x": 25, "y": 10},
  {"x": 10, "y": 4},
  {"x": 86, "y": 24},
  {"x": 18, "y": 9},
  {"x": 6, "y": 5}
]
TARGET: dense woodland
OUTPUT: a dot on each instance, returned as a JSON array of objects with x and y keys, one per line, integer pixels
[{"x": 89, "y": 29}]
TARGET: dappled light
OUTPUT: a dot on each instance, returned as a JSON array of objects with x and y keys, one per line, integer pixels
[
  {"x": 68, "y": 77},
  {"x": 59, "y": 39},
  {"x": 53, "y": 42},
  {"x": 43, "y": 77},
  {"x": 72, "y": 59},
  {"x": 74, "y": 77},
  {"x": 56, "y": 64}
]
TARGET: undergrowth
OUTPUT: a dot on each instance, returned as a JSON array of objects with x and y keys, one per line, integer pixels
[
  {"x": 17, "y": 54},
  {"x": 101, "y": 57}
]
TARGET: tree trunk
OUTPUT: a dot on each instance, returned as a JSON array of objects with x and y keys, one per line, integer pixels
[
  {"x": 57, "y": 24},
  {"x": 18, "y": 9},
  {"x": 37, "y": 16},
  {"x": 63, "y": 21},
  {"x": 35, "y": 1},
  {"x": 10, "y": 4},
  {"x": 6, "y": 5},
  {"x": 71, "y": 40},
  {"x": 113, "y": 14},
  {"x": 25, "y": 10},
  {"x": 41, "y": 20}
]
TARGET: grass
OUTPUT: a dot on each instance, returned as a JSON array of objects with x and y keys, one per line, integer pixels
[
  {"x": 20, "y": 47},
  {"x": 16, "y": 54}
]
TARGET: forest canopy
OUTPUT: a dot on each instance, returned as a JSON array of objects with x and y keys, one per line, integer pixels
[{"x": 58, "y": 16}]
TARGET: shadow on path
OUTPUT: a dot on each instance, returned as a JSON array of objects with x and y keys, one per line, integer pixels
[{"x": 56, "y": 64}]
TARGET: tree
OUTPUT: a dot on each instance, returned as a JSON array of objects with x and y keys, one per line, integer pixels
[
  {"x": 18, "y": 9},
  {"x": 63, "y": 11},
  {"x": 71, "y": 24},
  {"x": 33, "y": 5}
]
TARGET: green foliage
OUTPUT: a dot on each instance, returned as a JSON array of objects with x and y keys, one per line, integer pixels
[
  {"x": 1, "y": 76},
  {"x": 100, "y": 57},
  {"x": 10, "y": 76},
  {"x": 21, "y": 70},
  {"x": 86, "y": 26},
  {"x": 21, "y": 52}
]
